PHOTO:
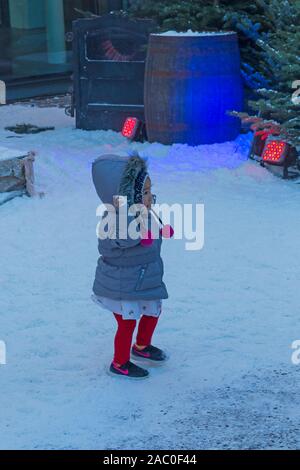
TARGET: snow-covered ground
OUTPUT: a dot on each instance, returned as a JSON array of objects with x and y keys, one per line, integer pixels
[{"x": 228, "y": 325}]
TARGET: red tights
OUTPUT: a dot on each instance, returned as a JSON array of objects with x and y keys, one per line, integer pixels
[{"x": 123, "y": 338}]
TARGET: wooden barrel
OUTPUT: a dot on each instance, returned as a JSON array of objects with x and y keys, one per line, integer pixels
[{"x": 191, "y": 80}]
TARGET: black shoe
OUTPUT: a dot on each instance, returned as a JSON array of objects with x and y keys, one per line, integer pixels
[
  {"x": 130, "y": 370},
  {"x": 149, "y": 355}
]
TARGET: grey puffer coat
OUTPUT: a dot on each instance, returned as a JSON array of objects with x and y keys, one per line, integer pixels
[{"x": 126, "y": 270}]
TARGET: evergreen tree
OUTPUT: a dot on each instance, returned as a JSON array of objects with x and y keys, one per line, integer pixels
[
  {"x": 277, "y": 111},
  {"x": 180, "y": 15}
]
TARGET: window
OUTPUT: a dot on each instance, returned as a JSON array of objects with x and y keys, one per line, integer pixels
[
  {"x": 33, "y": 34},
  {"x": 115, "y": 44}
]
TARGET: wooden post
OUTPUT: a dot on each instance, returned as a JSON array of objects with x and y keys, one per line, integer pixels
[{"x": 16, "y": 174}]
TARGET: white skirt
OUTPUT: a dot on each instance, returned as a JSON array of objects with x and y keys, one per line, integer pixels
[{"x": 130, "y": 309}]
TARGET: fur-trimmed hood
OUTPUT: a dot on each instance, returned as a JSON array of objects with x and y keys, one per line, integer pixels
[{"x": 116, "y": 175}]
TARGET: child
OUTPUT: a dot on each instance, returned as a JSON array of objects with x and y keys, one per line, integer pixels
[{"x": 129, "y": 273}]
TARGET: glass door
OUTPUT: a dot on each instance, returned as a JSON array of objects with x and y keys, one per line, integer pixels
[{"x": 33, "y": 36}]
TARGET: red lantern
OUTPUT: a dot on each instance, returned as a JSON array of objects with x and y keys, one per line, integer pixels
[
  {"x": 134, "y": 129},
  {"x": 258, "y": 143},
  {"x": 275, "y": 151},
  {"x": 281, "y": 154},
  {"x": 130, "y": 127}
]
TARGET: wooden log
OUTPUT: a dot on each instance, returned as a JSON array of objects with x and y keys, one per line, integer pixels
[{"x": 16, "y": 171}]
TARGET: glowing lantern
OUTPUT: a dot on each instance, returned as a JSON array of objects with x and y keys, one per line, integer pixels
[
  {"x": 280, "y": 153},
  {"x": 275, "y": 151},
  {"x": 134, "y": 129},
  {"x": 130, "y": 127},
  {"x": 258, "y": 143}
]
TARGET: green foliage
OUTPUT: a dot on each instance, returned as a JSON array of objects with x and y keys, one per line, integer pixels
[
  {"x": 282, "y": 65},
  {"x": 180, "y": 15}
]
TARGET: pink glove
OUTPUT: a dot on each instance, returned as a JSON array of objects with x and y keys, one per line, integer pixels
[{"x": 167, "y": 231}]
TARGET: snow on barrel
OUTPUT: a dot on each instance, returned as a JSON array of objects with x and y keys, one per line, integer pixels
[{"x": 191, "y": 81}]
